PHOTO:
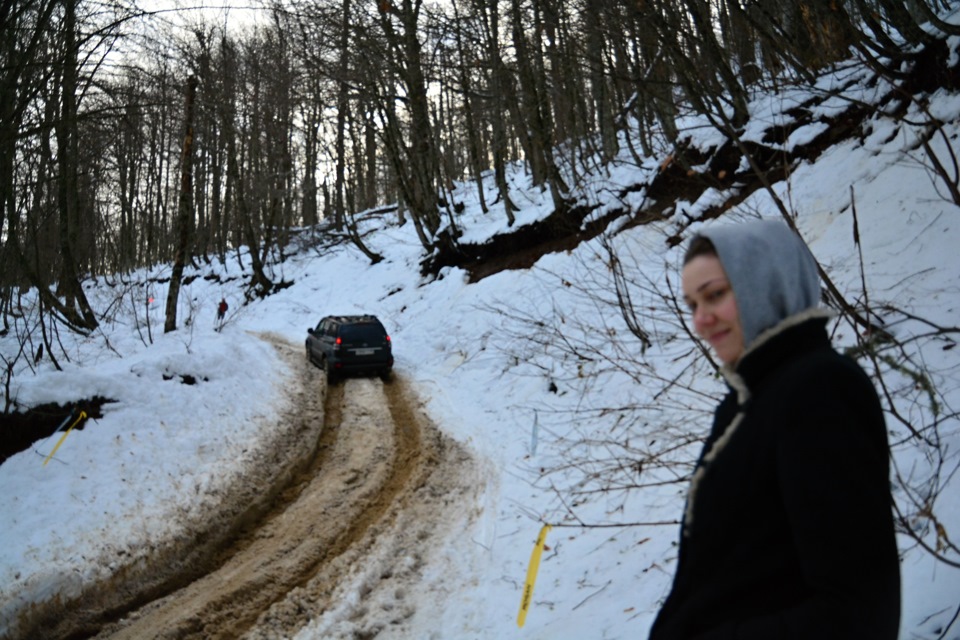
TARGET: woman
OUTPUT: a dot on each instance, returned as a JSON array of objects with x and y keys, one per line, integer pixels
[{"x": 788, "y": 530}]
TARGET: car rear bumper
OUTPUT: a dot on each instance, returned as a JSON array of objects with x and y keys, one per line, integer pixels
[{"x": 345, "y": 366}]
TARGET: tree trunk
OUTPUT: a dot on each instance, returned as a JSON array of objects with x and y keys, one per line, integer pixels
[
  {"x": 184, "y": 209},
  {"x": 499, "y": 78},
  {"x": 68, "y": 148},
  {"x": 470, "y": 118},
  {"x": 598, "y": 81},
  {"x": 343, "y": 106}
]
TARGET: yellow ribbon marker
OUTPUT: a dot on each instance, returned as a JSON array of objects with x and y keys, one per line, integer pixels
[
  {"x": 83, "y": 414},
  {"x": 532, "y": 576}
]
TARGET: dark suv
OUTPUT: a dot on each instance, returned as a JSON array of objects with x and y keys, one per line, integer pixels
[{"x": 350, "y": 344}]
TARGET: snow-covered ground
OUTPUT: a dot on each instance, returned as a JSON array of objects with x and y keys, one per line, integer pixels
[{"x": 534, "y": 371}]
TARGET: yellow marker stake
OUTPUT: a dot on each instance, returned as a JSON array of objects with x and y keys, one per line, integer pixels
[
  {"x": 532, "y": 576},
  {"x": 83, "y": 414}
]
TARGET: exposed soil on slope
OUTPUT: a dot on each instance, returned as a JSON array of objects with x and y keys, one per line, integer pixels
[
  {"x": 355, "y": 465},
  {"x": 22, "y": 429},
  {"x": 736, "y": 169}
]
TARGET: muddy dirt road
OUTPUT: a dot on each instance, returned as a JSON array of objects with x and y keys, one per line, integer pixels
[{"x": 360, "y": 466}]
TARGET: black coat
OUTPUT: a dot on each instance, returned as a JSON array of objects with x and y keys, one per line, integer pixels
[{"x": 789, "y": 532}]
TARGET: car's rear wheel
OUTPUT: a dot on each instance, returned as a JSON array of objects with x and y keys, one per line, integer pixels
[{"x": 332, "y": 377}]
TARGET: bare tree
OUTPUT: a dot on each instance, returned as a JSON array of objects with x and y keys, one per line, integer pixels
[
  {"x": 184, "y": 208},
  {"x": 415, "y": 157},
  {"x": 466, "y": 60},
  {"x": 498, "y": 83},
  {"x": 343, "y": 107}
]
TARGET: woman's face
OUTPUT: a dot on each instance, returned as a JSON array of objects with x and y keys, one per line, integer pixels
[{"x": 709, "y": 296}]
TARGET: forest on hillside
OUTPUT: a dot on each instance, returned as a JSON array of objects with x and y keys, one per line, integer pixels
[{"x": 131, "y": 136}]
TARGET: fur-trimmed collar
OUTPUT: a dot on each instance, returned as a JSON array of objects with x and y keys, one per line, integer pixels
[{"x": 729, "y": 371}]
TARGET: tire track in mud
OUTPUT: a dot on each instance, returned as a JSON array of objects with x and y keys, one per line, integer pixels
[{"x": 375, "y": 457}]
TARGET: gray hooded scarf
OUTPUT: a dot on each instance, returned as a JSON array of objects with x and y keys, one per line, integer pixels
[
  {"x": 775, "y": 283},
  {"x": 785, "y": 285}
]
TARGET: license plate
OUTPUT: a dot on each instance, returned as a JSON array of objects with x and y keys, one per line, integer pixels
[{"x": 364, "y": 352}]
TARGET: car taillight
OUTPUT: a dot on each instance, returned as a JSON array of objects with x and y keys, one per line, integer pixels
[
  {"x": 337, "y": 342},
  {"x": 388, "y": 338}
]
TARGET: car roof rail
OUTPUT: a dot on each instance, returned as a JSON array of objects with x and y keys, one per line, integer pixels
[{"x": 367, "y": 317}]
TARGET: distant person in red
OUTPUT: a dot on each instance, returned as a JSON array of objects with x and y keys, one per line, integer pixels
[
  {"x": 221, "y": 311},
  {"x": 788, "y": 531}
]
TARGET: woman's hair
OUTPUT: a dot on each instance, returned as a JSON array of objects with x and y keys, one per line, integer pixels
[{"x": 699, "y": 246}]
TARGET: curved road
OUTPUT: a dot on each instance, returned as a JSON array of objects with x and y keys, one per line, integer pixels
[{"x": 360, "y": 466}]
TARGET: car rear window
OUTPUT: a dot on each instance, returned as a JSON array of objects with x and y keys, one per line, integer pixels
[{"x": 362, "y": 333}]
